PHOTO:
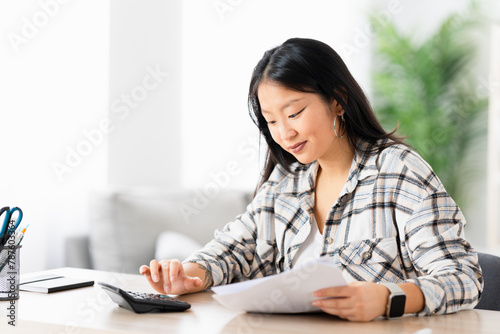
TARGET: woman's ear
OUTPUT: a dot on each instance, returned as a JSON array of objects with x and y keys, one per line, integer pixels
[
  {"x": 336, "y": 108},
  {"x": 342, "y": 94}
]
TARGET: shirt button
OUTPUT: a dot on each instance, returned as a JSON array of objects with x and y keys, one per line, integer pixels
[
  {"x": 329, "y": 240},
  {"x": 367, "y": 255}
]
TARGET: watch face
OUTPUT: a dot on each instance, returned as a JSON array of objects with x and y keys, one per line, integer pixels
[{"x": 397, "y": 306}]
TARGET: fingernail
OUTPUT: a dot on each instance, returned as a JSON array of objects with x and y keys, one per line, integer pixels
[
  {"x": 155, "y": 278},
  {"x": 167, "y": 288},
  {"x": 317, "y": 294},
  {"x": 316, "y": 303},
  {"x": 172, "y": 278}
]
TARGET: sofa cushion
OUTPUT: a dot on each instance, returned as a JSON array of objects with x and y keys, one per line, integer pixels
[
  {"x": 174, "y": 245},
  {"x": 125, "y": 223}
]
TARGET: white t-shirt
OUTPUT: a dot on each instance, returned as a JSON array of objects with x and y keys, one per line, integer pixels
[{"x": 311, "y": 248}]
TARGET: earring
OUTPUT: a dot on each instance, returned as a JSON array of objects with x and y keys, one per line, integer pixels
[{"x": 335, "y": 128}]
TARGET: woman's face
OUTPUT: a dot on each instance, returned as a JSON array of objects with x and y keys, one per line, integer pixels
[{"x": 301, "y": 123}]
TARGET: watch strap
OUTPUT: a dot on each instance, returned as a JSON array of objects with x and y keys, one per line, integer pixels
[{"x": 396, "y": 301}]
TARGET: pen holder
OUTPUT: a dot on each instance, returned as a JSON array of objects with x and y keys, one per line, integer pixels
[{"x": 9, "y": 272}]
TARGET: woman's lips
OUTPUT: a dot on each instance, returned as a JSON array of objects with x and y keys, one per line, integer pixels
[{"x": 297, "y": 147}]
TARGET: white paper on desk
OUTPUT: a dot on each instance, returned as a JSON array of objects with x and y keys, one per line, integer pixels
[{"x": 288, "y": 292}]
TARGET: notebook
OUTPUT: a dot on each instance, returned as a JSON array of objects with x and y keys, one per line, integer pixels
[{"x": 52, "y": 283}]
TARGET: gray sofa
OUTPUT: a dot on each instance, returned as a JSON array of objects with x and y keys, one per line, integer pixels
[{"x": 129, "y": 227}]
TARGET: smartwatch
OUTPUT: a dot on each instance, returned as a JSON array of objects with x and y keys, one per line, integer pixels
[{"x": 396, "y": 301}]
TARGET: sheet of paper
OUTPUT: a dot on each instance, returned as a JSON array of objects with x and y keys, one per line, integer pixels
[{"x": 288, "y": 292}]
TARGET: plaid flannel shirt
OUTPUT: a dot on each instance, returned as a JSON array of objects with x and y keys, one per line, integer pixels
[{"x": 395, "y": 188}]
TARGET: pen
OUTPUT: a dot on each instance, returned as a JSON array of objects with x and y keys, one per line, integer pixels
[
  {"x": 18, "y": 237},
  {"x": 7, "y": 260},
  {"x": 4, "y": 263}
]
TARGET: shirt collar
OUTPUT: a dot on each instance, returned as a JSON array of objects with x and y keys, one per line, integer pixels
[
  {"x": 303, "y": 177},
  {"x": 364, "y": 165}
]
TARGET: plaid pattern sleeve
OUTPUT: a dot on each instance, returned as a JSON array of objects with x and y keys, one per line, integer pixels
[
  {"x": 436, "y": 255},
  {"x": 243, "y": 249},
  {"x": 393, "y": 222},
  {"x": 450, "y": 276}
]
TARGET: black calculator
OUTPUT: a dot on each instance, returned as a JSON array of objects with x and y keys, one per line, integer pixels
[{"x": 141, "y": 302}]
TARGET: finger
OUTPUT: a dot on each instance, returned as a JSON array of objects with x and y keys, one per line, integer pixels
[
  {"x": 175, "y": 278},
  {"x": 337, "y": 306},
  {"x": 348, "y": 314},
  {"x": 336, "y": 291},
  {"x": 334, "y": 303},
  {"x": 144, "y": 270},
  {"x": 165, "y": 275},
  {"x": 180, "y": 281},
  {"x": 189, "y": 283},
  {"x": 156, "y": 285},
  {"x": 155, "y": 270},
  {"x": 176, "y": 270},
  {"x": 196, "y": 281}
]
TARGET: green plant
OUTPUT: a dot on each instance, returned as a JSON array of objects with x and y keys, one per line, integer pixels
[{"x": 427, "y": 89}]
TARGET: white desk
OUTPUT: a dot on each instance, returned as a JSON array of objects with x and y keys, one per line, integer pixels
[{"x": 90, "y": 310}]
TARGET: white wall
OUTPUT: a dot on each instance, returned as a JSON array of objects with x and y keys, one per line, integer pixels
[
  {"x": 53, "y": 86},
  {"x": 145, "y": 93}
]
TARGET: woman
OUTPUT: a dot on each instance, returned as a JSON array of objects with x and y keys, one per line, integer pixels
[{"x": 336, "y": 184}]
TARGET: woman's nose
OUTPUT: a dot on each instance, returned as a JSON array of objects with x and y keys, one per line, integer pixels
[{"x": 287, "y": 132}]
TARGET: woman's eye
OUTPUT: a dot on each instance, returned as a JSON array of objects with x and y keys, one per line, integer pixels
[
  {"x": 296, "y": 114},
  {"x": 271, "y": 122}
]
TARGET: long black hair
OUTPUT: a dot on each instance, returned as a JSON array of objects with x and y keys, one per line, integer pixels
[{"x": 312, "y": 66}]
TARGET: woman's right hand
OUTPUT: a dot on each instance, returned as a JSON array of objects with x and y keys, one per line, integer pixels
[{"x": 169, "y": 276}]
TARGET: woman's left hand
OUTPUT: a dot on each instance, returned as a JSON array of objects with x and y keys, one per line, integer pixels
[{"x": 358, "y": 301}]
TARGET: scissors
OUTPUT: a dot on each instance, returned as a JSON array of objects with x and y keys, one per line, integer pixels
[{"x": 6, "y": 232}]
